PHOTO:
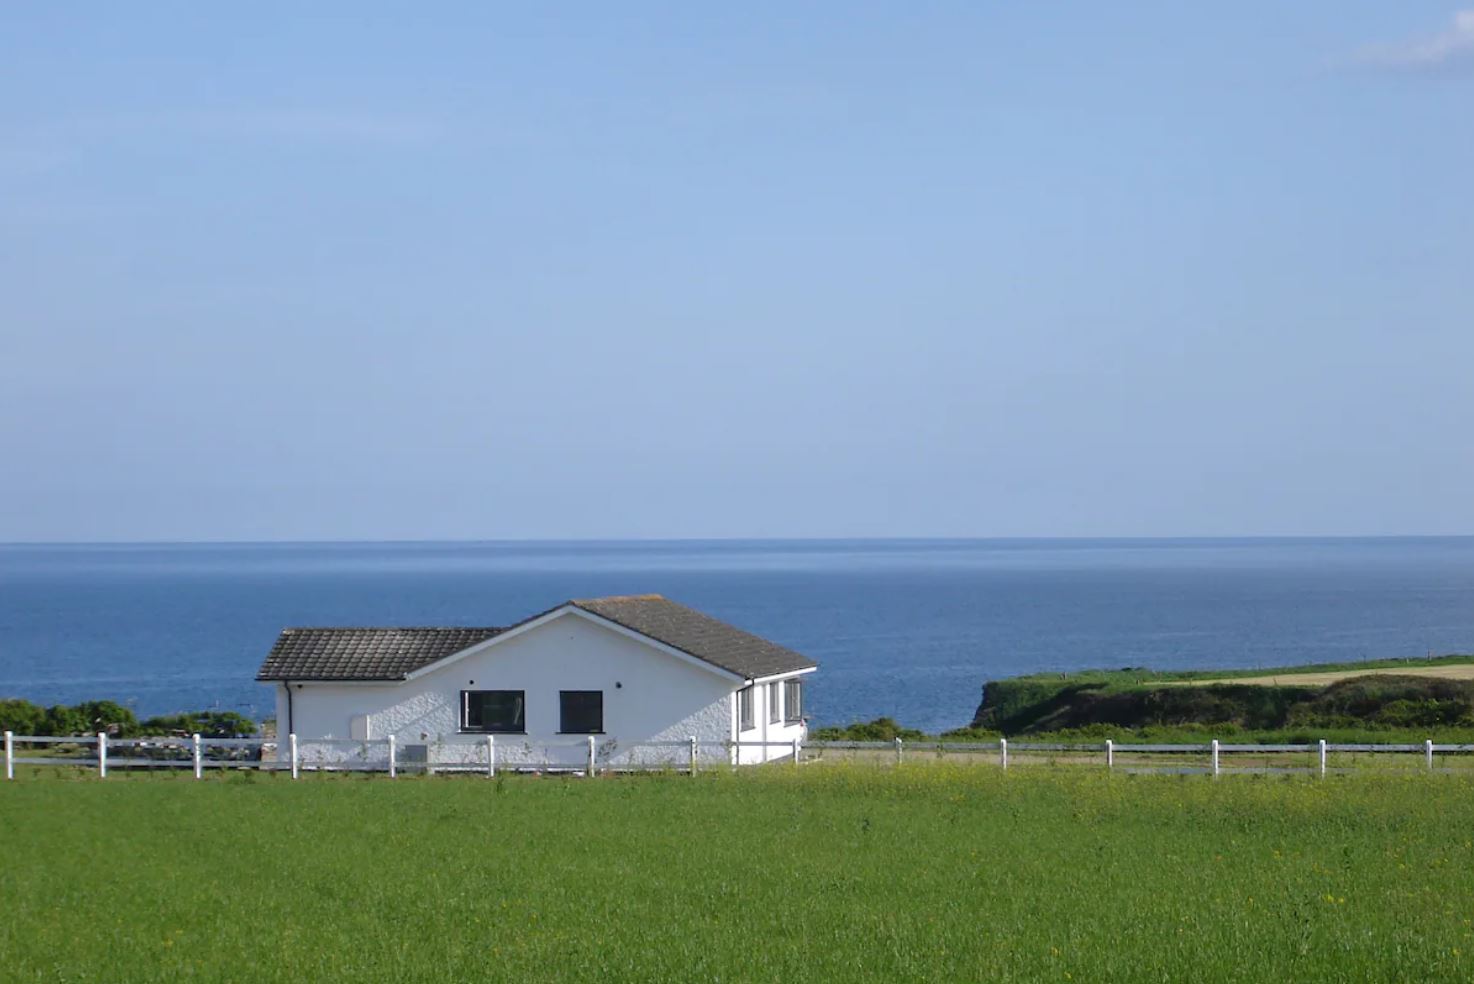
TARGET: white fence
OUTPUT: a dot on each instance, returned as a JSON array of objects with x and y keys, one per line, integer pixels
[
  {"x": 1205, "y": 757},
  {"x": 388, "y": 755},
  {"x": 592, "y": 756}
]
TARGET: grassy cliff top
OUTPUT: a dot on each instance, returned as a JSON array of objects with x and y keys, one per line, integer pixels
[
  {"x": 1370, "y": 696},
  {"x": 1136, "y": 676}
]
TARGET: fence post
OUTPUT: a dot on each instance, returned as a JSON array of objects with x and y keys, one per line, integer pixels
[
  {"x": 197, "y": 754},
  {"x": 9, "y": 755},
  {"x": 796, "y": 750},
  {"x": 393, "y": 763},
  {"x": 1428, "y": 752},
  {"x": 1003, "y": 752},
  {"x": 692, "y": 748},
  {"x": 590, "y": 773},
  {"x": 292, "y": 746},
  {"x": 1322, "y": 756},
  {"x": 898, "y": 749},
  {"x": 1215, "y": 756},
  {"x": 491, "y": 756},
  {"x": 102, "y": 754},
  {"x": 1110, "y": 754}
]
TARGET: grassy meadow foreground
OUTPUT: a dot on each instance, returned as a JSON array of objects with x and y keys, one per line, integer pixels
[{"x": 839, "y": 873}]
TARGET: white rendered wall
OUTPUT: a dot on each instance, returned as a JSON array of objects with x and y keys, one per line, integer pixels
[
  {"x": 649, "y": 695},
  {"x": 763, "y": 730}
]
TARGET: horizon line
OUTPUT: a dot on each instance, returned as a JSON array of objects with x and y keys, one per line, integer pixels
[{"x": 1099, "y": 538}]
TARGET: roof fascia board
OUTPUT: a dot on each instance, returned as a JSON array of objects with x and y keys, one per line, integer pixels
[
  {"x": 346, "y": 681},
  {"x": 772, "y": 677}
]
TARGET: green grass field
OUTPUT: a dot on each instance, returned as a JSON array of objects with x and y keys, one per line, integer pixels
[
  {"x": 827, "y": 874},
  {"x": 1140, "y": 676}
]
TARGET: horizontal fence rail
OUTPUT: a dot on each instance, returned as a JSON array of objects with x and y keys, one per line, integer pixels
[{"x": 595, "y": 754}]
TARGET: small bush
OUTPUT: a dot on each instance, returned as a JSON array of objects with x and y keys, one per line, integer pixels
[
  {"x": 63, "y": 720},
  {"x": 21, "y": 717},
  {"x": 971, "y": 734},
  {"x": 881, "y": 729},
  {"x": 211, "y": 724},
  {"x": 89, "y": 717},
  {"x": 106, "y": 715}
]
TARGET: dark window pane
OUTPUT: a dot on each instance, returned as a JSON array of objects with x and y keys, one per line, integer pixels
[
  {"x": 582, "y": 712},
  {"x": 494, "y": 710},
  {"x": 774, "y": 705},
  {"x": 793, "y": 700},
  {"x": 744, "y": 709}
]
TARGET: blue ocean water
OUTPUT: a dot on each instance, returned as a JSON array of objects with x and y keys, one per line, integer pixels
[{"x": 909, "y": 629}]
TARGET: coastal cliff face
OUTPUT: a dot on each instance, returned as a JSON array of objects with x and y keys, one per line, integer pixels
[{"x": 1037, "y": 704}]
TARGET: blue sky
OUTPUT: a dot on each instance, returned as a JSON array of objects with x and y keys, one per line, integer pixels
[{"x": 770, "y": 270}]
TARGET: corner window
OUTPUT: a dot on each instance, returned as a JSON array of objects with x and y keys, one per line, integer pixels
[
  {"x": 494, "y": 711},
  {"x": 745, "y": 720},
  {"x": 581, "y": 712},
  {"x": 793, "y": 700},
  {"x": 775, "y": 706}
]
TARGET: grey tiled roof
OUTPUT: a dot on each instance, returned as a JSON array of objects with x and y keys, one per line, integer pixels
[
  {"x": 361, "y": 653},
  {"x": 392, "y": 654},
  {"x": 697, "y": 635}
]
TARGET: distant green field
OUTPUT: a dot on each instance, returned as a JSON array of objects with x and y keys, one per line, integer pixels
[
  {"x": 1140, "y": 676},
  {"x": 829, "y": 874}
]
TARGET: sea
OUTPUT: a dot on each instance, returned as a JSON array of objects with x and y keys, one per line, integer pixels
[{"x": 909, "y": 629}]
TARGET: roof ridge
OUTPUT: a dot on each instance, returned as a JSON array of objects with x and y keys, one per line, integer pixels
[{"x": 623, "y": 597}]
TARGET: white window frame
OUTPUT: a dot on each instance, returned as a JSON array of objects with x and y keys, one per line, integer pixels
[
  {"x": 794, "y": 709},
  {"x": 746, "y": 718}
]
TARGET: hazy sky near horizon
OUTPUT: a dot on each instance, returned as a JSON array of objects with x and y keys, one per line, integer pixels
[{"x": 638, "y": 270}]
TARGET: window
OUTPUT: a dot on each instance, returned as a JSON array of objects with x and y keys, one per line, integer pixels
[
  {"x": 774, "y": 707},
  {"x": 745, "y": 720},
  {"x": 494, "y": 711},
  {"x": 793, "y": 700},
  {"x": 582, "y": 712}
]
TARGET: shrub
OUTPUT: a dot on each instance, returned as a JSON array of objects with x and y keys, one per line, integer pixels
[
  {"x": 63, "y": 720},
  {"x": 881, "y": 729},
  {"x": 106, "y": 715},
  {"x": 1377, "y": 702},
  {"x": 21, "y": 717},
  {"x": 971, "y": 733},
  {"x": 1420, "y": 713},
  {"x": 211, "y": 724},
  {"x": 92, "y": 716}
]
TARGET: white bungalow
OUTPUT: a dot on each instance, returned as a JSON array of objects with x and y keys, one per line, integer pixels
[{"x": 639, "y": 673}]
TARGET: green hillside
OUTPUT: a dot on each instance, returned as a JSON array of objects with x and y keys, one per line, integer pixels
[{"x": 1137, "y": 699}]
